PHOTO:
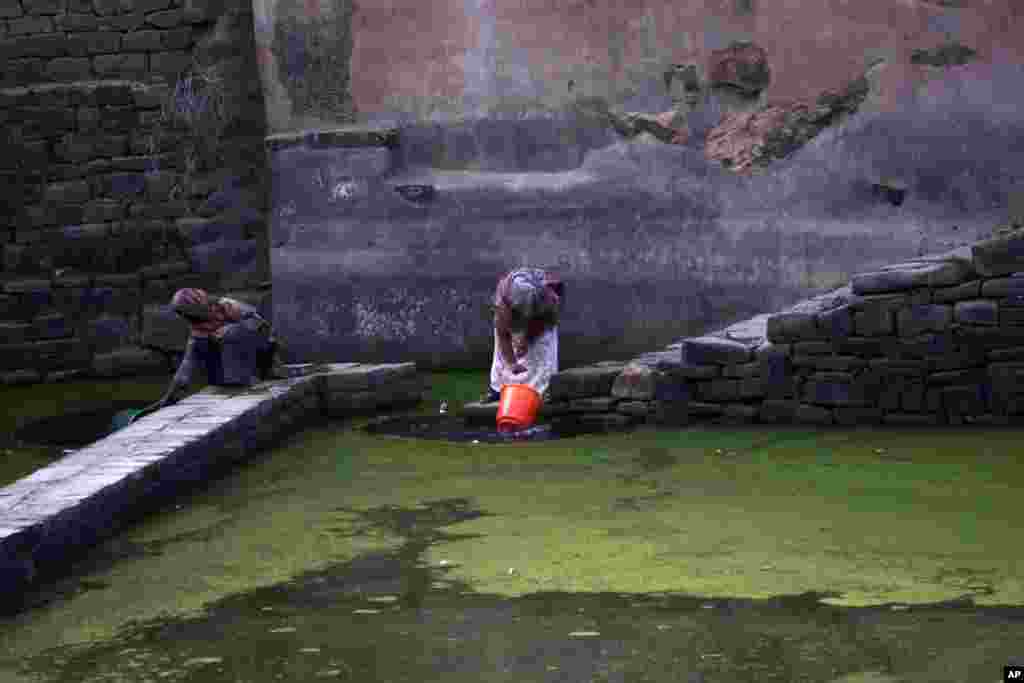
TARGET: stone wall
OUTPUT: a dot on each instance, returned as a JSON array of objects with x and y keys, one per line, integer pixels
[
  {"x": 113, "y": 197},
  {"x": 934, "y": 341}
]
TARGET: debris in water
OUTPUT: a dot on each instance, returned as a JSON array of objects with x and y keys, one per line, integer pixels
[
  {"x": 899, "y": 608},
  {"x": 664, "y": 627},
  {"x": 476, "y": 440},
  {"x": 584, "y": 634},
  {"x": 284, "y": 629},
  {"x": 202, "y": 661},
  {"x": 366, "y": 611},
  {"x": 708, "y": 605},
  {"x": 329, "y": 673},
  {"x": 384, "y": 598},
  {"x": 511, "y": 571},
  {"x": 310, "y": 650},
  {"x": 444, "y": 407}
]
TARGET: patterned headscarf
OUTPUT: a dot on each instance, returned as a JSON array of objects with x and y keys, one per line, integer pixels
[{"x": 219, "y": 313}]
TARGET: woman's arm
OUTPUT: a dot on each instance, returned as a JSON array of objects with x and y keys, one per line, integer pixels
[
  {"x": 502, "y": 320},
  {"x": 182, "y": 377}
]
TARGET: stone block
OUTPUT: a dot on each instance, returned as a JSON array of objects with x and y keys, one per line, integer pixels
[
  {"x": 965, "y": 399},
  {"x": 965, "y": 376},
  {"x": 1003, "y": 287},
  {"x": 890, "y": 367},
  {"x": 742, "y": 370},
  {"x": 787, "y": 327},
  {"x": 171, "y": 63},
  {"x": 740, "y": 412},
  {"x": 119, "y": 119},
  {"x": 718, "y": 390},
  {"x": 178, "y": 38},
  {"x": 703, "y": 409},
  {"x": 753, "y": 388},
  {"x": 1010, "y": 354},
  {"x": 207, "y": 230},
  {"x": 123, "y": 65},
  {"x": 103, "y": 210},
  {"x": 69, "y": 192},
  {"x": 129, "y": 361},
  {"x": 109, "y": 332},
  {"x": 664, "y": 414},
  {"x": 20, "y": 377},
  {"x": 714, "y": 351},
  {"x": 76, "y": 21},
  {"x": 833, "y": 392},
  {"x": 912, "y": 275},
  {"x": 52, "y": 326},
  {"x": 584, "y": 382},
  {"x": 10, "y": 9},
  {"x": 837, "y": 363},
  {"x": 874, "y": 321},
  {"x": 1000, "y": 255},
  {"x": 93, "y": 43},
  {"x": 15, "y": 333},
  {"x": 813, "y": 348},
  {"x": 29, "y": 25},
  {"x": 166, "y": 18},
  {"x": 809, "y": 414},
  {"x": 912, "y": 397},
  {"x": 46, "y": 45},
  {"x": 699, "y": 372},
  {"x": 915, "y": 320},
  {"x": 44, "y": 6},
  {"x": 836, "y": 322},
  {"x": 776, "y": 411},
  {"x": 911, "y": 419},
  {"x": 605, "y": 421},
  {"x": 856, "y": 415},
  {"x": 129, "y": 21},
  {"x": 968, "y": 290},
  {"x": 977, "y": 312},
  {"x": 594, "y": 404},
  {"x": 989, "y": 338},
  {"x": 634, "y": 408},
  {"x": 354, "y": 403}
]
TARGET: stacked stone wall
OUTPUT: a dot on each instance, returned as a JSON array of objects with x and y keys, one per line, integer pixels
[
  {"x": 104, "y": 213},
  {"x": 934, "y": 341}
]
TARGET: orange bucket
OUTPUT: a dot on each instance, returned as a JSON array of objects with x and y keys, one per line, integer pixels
[{"x": 518, "y": 407}]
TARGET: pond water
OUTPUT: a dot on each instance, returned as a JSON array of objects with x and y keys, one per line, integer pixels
[{"x": 704, "y": 554}]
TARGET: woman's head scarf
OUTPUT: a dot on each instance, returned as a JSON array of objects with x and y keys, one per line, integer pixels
[{"x": 186, "y": 301}]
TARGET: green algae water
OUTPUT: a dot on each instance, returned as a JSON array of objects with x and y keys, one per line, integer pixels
[{"x": 698, "y": 554}]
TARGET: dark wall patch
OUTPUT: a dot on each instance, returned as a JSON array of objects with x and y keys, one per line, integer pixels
[
  {"x": 948, "y": 54},
  {"x": 314, "y": 54}
]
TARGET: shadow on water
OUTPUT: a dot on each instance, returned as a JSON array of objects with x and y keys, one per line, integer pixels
[{"x": 73, "y": 430}]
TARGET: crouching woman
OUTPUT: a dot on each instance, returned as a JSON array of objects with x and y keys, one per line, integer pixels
[
  {"x": 527, "y": 303},
  {"x": 229, "y": 339}
]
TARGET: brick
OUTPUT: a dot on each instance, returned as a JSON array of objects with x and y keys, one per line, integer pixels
[
  {"x": 29, "y": 25},
  {"x": 912, "y": 398},
  {"x": 19, "y": 72},
  {"x": 965, "y": 400},
  {"x": 965, "y": 376},
  {"x": 93, "y": 43},
  {"x": 914, "y": 320},
  {"x": 15, "y": 333},
  {"x": 915, "y": 274},
  {"x": 808, "y": 414},
  {"x": 999, "y": 256},
  {"x": 977, "y": 312},
  {"x": 828, "y": 362},
  {"x": 119, "y": 119},
  {"x": 1003, "y": 287},
  {"x": 739, "y": 412},
  {"x": 74, "y": 191},
  {"x": 718, "y": 390},
  {"x": 894, "y": 367},
  {"x": 178, "y": 38},
  {"x": 786, "y": 327},
  {"x": 166, "y": 19},
  {"x": 889, "y": 396},
  {"x": 836, "y": 322},
  {"x": 42, "y": 45},
  {"x": 968, "y": 290},
  {"x": 774, "y": 411},
  {"x": 703, "y": 409},
  {"x": 856, "y": 415},
  {"x": 10, "y": 9},
  {"x": 53, "y": 326},
  {"x": 142, "y": 41},
  {"x": 812, "y": 348},
  {"x": 76, "y": 21},
  {"x": 128, "y": 361},
  {"x": 910, "y": 420},
  {"x": 44, "y": 6},
  {"x": 635, "y": 408},
  {"x": 875, "y": 321},
  {"x": 170, "y": 63},
  {"x": 989, "y": 338},
  {"x": 1010, "y": 354},
  {"x": 122, "y": 22},
  {"x": 103, "y": 210},
  {"x": 128, "y": 65},
  {"x": 123, "y": 185},
  {"x": 150, "y": 96},
  {"x": 741, "y": 370},
  {"x": 106, "y": 7},
  {"x": 583, "y": 382},
  {"x": 151, "y": 5}
]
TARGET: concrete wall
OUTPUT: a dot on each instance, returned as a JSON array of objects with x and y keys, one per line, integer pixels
[
  {"x": 107, "y": 205},
  {"x": 506, "y": 111}
]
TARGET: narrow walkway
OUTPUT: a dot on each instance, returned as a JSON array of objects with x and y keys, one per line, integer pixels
[{"x": 64, "y": 508}]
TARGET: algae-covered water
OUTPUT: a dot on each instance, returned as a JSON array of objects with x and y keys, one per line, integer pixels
[{"x": 704, "y": 554}]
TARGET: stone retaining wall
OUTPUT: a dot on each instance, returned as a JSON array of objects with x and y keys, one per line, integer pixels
[
  {"x": 105, "y": 210},
  {"x": 938, "y": 340},
  {"x": 64, "y": 508}
]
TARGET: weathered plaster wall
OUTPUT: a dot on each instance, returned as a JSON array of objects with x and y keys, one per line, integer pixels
[{"x": 500, "y": 109}]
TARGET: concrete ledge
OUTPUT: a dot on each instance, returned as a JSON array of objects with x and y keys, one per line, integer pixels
[
  {"x": 63, "y": 509},
  {"x": 335, "y": 137}
]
